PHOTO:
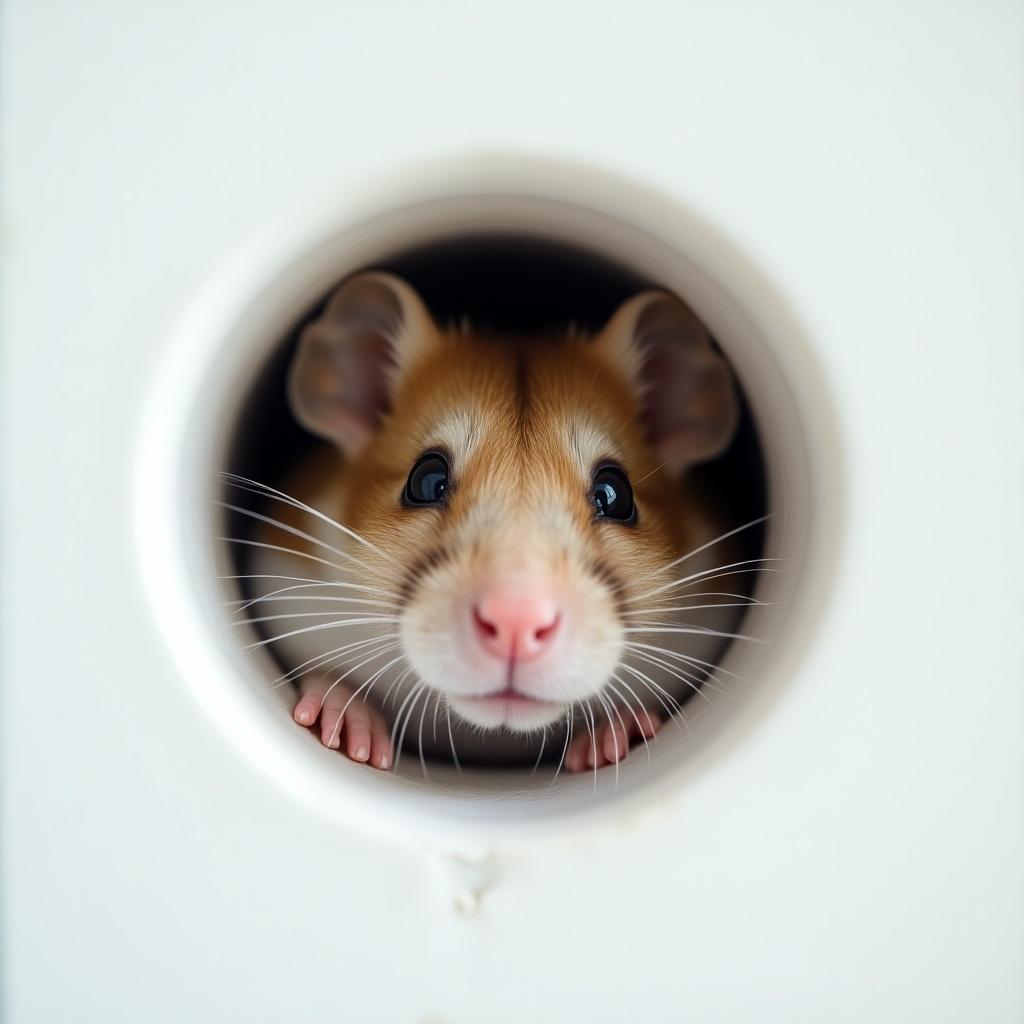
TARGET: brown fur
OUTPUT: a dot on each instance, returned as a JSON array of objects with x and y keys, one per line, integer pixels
[
  {"x": 528, "y": 412},
  {"x": 519, "y": 449}
]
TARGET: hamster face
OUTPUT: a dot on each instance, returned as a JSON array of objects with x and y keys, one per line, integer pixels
[
  {"x": 519, "y": 495},
  {"x": 517, "y": 575}
]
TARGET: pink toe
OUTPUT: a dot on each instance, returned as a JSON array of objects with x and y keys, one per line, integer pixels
[
  {"x": 609, "y": 747},
  {"x": 330, "y": 734},
  {"x": 576, "y": 758},
  {"x": 305, "y": 713},
  {"x": 652, "y": 725}
]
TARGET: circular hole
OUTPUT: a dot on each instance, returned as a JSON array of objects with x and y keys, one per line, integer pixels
[
  {"x": 521, "y": 261},
  {"x": 518, "y": 286}
]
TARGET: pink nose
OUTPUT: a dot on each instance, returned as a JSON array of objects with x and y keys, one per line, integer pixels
[{"x": 516, "y": 623}]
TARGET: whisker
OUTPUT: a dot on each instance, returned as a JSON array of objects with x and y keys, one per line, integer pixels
[
  {"x": 625, "y": 733},
  {"x": 629, "y": 707},
  {"x": 540, "y": 754},
  {"x": 318, "y": 660},
  {"x": 697, "y": 679},
  {"x": 368, "y": 606},
  {"x": 717, "y": 540},
  {"x": 295, "y": 532},
  {"x": 423, "y": 761},
  {"x": 705, "y": 574},
  {"x": 607, "y": 708},
  {"x": 238, "y": 481},
  {"x": 419, "y": 692},
  {"x": 307, "y": 579},
  {"x": 278, "y": 547},
  {"x": 675, "y": 714},
  {"x": 396, "y": 682},
  {"x": 310, "y": 615},
  {"x": 649, "y": 475},
  {"x": 565, "y": 745},
  {"x": 696, "y": 683},
  {"x": 588, "y": 714},
  {"x": 400, "y": 676},
  {"x": 675, "y": 702},
  {"x": 398, "y": 718},
  {"x": 323, "y": 625},
  {"x": 348, "y": 672},
  {"x": 735, "y": 572},
  {"x": 244, "y": 604},
  {"x": 668, "y": 702},
  {"x": 698, "y": 607},
  {"x": 693, "y": 631},
  {"x": 368, "y": 686},
  {"x": 451, "y": 738},
  {"x": 710, "y": 665},
  {"x": 721, "y": 593}
]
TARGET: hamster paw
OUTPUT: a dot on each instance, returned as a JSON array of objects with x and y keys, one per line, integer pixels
[
  {"x": 354, "y": 726},
  {"x": 611, "y": 742}
]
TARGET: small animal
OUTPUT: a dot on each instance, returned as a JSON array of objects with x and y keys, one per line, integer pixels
[{"x": 499, "y": 555}]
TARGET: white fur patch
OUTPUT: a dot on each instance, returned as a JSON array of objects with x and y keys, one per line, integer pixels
[
  {"x": 459, "y": 433},
  {"x": 587, "y": 444}
]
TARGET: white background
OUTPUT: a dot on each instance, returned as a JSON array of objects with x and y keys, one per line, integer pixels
[{"x": 860, "y": 856}]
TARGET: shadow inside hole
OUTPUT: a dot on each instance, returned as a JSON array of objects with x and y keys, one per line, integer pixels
[{"x": 511, "y": 284}]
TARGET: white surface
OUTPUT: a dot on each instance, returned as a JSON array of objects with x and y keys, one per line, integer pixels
[
  {"x": 219, "y": 346},
  {"x": 859, "y": 855}
]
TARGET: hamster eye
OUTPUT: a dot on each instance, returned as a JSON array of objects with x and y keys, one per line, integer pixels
[
  {"x": 428, "y": 481},
  {"x": 612, "y": 495}
]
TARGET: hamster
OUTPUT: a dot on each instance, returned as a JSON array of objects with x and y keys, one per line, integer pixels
[{"x": 499, "y": 551}]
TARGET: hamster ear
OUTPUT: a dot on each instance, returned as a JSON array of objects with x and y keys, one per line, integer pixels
[
  {"x": 350, "y": 359},
  {"x": 685, "y": 387}
]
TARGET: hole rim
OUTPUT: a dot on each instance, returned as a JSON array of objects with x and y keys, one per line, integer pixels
[{"x": 263, "y": 288}]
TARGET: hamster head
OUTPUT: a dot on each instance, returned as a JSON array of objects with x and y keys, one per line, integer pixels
[{"x": 522, "y": 493}]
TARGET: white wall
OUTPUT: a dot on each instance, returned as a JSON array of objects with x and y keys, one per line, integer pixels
[{"x": 858, "y": 856}]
